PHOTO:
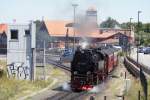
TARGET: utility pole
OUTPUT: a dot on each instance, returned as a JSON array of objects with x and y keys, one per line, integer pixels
[
  {"x": 138, "y": 41},
  {"x": 74, "y": 25},
  {"x": 130, "y": 37},
  {"x": 32, "y": 65}
]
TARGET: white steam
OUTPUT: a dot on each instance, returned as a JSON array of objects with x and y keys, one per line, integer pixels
[
  {"x": 66, "y": 87},
  {"x": 98, "y": 88},
  {"x": 84, "y": 45}
]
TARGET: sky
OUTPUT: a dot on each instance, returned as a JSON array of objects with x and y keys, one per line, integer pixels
[{"x": 27, "y": 10}]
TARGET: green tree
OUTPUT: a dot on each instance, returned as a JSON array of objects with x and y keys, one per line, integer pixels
[
  {"x": 109, "y": 23},
  {"x": 146, "y": 27},
  {"x": 125, "y": 25}
]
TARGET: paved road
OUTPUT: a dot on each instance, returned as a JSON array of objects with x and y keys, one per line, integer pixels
[{"x": 143, "y": 58}]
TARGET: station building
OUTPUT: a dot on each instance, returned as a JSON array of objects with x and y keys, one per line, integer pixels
[{"x": 62, "y": 31}]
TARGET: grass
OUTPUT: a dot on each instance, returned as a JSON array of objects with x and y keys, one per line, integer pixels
[
  {"x": 121, "y": 54},
  {"x": 49, "y": 70},
  {"x": 11, "y": 89},
  {"x": 2, "y": 67},
  {"x": 133, "y": 92}
]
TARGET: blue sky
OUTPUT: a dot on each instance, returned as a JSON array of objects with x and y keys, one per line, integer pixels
[{"x": 26, "y": 10}]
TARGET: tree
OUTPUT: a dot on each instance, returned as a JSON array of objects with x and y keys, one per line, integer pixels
[
  {"x": 146, "y": 27},
  {"x": 125, "y": 25},
  {"x": 138, "y": 28},
  {"x": 109, "y": 23}
]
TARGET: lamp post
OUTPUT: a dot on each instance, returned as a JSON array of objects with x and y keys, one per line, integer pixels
[
  {"x": 130, "y": 37},
  {"x": 74, "y": 24},
  {"x": 138, "y": 42}
]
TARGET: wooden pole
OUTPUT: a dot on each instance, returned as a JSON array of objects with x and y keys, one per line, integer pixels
[
  {"x": 105, "y": 98},
  {"x": 139, "y": 95},
  {"x": 44, "y": 74}
]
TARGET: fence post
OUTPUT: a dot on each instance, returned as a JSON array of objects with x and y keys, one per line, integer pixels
[
  {"x": 35, "y": 63},
  {"x": 125, "y": 75},
  {"x": 104, "y": 97},
  {"x": 123, "y": 97},
  {"x": 139, "y": 95},
  {"x": 92, "y": 98}
]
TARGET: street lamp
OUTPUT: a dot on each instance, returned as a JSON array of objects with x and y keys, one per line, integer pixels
[
  {"x": 74, "y": 24},
  {"x": 138, "y": 42},
  {"x": 130, "y": 37}
]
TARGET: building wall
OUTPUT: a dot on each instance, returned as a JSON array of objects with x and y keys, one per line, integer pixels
[
  {"x": 19, "y": 50},
  {"x": 3, "y": 39},
  {"x": 41, "y": 35},
  {"x": 91, "y": 18},
  {"x": 3, "y": 43}
]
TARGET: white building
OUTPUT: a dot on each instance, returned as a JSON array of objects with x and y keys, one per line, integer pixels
[{"x": 20, "y": 50}]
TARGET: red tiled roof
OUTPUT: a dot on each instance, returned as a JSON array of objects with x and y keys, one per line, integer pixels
[
  {"x": 110, "y": 41},
  {"x": 58, "y": 28},
  {"x": 3, "y": 28}
]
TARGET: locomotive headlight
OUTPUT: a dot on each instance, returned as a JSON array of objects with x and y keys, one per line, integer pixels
[
  {"x": 88, "y": 72},
  {"x": 75, "y": 72}
]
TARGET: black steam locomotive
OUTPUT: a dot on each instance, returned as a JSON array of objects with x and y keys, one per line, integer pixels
[{"x": 90, "y": 67}]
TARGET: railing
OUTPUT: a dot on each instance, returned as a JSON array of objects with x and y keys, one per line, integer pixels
[{"x": 139, "y": 71}]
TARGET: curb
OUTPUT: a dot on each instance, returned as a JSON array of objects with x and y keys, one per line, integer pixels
[{"x": 25, "y": 97}]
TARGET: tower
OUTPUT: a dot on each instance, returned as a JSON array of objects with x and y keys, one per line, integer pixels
[{"x": 91, "y": 15}]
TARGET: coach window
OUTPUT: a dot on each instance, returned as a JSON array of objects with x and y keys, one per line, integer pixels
[{"x": 14, "y": 34}]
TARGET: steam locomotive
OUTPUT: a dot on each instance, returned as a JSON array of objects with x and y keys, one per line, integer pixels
[{"x": 90, "y": 67}]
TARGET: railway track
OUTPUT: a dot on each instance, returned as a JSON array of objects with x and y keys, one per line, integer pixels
[
  {"x": 69, "y": 96},
  {"x": 58, "y": 64},
  {"x": 63, "y": 94},
  {"x": 55, "y": 63}
]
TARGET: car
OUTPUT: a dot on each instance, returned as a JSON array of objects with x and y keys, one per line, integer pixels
[
  {"x": 67, "y": 55},
  {"x": 142, "y": 49},
  {"x": 147, "y": 50}
]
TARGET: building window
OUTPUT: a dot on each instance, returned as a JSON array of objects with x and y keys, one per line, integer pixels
[
  {"x": 14, "y": 34},
  {"x": 27, "y": 32}
]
